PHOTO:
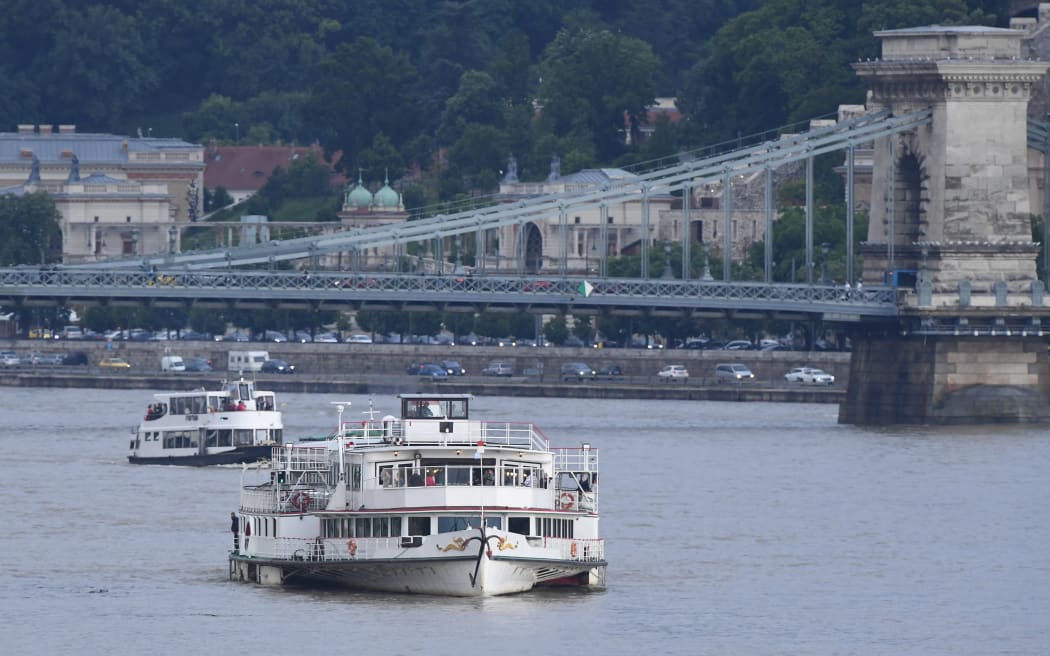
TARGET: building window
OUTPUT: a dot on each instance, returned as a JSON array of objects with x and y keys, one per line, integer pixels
[{"x": 577, "y": 220}]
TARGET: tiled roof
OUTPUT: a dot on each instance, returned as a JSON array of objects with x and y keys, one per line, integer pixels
[
  {"x": 91, "y": 149},
  {"x": 247, "y": 168}
]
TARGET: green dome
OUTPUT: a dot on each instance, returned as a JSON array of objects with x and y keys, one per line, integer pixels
[
  {"x": 359, "y": 198},
  {"x": 387, "y": 197}
]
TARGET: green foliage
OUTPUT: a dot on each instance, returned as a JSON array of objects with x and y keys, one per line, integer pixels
[
  {"x": 556, "y": 330},
  {"x": 29, "y": 230},
  {"x": 591, "y": 80}
]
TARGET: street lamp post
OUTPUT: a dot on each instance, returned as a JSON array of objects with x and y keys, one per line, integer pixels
[
  {"x": 824, "y": 263},
  {"x": 237, "y": 133},
  {"x": 706, "y": 277},
  {"x": 667, "y": 275}
]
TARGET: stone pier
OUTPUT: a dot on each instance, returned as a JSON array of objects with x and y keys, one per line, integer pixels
[{"x": 947, "y": 379}]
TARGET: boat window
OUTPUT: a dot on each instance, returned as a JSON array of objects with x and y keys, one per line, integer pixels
[
  {"x": 555, "y": 528},
  {"x": 242, "y": 436},
  {"x": 180, "y": 439},
  {"x": 395, "y": 527},
  {"x": 381, "y": 527},
  {"x": 519, "y": 525},
  {"x": 364, "y": 527},
  {"x": 434, "y": 408},
  {"x": 246, "y": 391},
  {"x": 449, "y": 524},
  {"x": 419, "y": 525},
  {"x": 355, "y": 476}
]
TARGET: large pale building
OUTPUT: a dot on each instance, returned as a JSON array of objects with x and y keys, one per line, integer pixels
[{"x": 117, "y": 196}]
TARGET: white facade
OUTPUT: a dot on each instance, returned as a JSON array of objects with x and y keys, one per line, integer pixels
[{"x": 117, "y": 196}]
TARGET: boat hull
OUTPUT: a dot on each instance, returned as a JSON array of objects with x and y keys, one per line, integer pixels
[
  {"x": 233, "y": 456},
  {"x": 461, "y": 576}
]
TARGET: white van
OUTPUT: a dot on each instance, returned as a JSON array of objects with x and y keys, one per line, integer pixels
[
  {"x": 172, "y": 363},
  {"x": 247, "y": 360}
]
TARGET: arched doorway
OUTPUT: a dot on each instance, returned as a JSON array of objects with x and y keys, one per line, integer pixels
[{"x": 533, "y": 248}]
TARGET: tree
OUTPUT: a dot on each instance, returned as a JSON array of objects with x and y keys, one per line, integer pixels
[
  {"x": 29, "y": 230},
  {"x": 361, "y": 90},
  {"x": 596, "y": 84},
  {"x": 97, "y": 67}
]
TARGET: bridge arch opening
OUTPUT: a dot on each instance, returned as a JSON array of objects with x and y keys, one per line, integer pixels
[
  {"x": 533, "y": 248},
  {"x": 909, "y": 209}
]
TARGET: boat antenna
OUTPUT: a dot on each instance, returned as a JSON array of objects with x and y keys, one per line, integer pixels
[{"x": 339, "y": 433}]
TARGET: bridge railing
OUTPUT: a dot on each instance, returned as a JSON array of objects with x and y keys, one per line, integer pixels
[{"x": 328, "y": 285}]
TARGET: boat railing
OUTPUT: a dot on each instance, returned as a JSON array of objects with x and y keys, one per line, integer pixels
[
  {"x": 519, "y": 435},
  {"x": 268, "y": 498},
  {"x": 294, "y": 457},
  {"x": 583, "y": 549},
  {"x": 349, "y": 548},
  {"x": 514, "y": 434},
  {"x": 577, "y": 459}
]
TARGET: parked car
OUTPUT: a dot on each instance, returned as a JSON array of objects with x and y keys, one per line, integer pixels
[
  {"x": 274, "y": 336},
  {"x": 325, "y": 338},
  {"x": 277, "y": 366},
  {"x": 114, "y": 363},
  {"x": 733, "y": 373},
  {"x": 453, "y": 368},
  {"x": 192, "y": 335},
  {"x": 809, "y": 376},
  {"x": 610, "y": 371},
  {"x": 43, "y": 359},
  {"x": 577, "y": 371},
  {"x": 498, "y": 368},
  {"x": 359, "y": 338},
  {"x": 75, "y": 358},
  {"x": 673, "y": 372},
  {"x": 9, "y": 359},
  {"x": 432, "y": 371},
  {"x": 198, "y": 364},
  {"x": 738, "y": 345}
]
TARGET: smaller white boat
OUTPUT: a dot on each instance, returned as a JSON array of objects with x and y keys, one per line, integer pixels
[
  {"x": 433, "y": 502},
  {"x": 234, "y": 424}
]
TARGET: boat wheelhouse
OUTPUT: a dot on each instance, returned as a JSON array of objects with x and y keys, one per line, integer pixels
[
  {"x": 233, "y": 424},
  {"x": 433, "y": 502}
]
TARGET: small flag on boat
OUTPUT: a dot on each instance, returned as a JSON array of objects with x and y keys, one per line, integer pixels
[{"x": 481, "y": 449}]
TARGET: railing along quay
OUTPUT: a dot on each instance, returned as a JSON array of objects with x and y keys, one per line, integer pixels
[{"x": 634, "y": 387}]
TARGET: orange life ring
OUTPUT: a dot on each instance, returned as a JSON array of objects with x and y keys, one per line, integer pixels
[
  {"x": 351, "y": 546},
  {"x": 566, "y": 500},
  {"x": 573, "y": 550},
  {"x": 300, "y": 501}
]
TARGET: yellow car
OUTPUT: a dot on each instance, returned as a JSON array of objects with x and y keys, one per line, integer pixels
[{"x": 114, "y": 363}]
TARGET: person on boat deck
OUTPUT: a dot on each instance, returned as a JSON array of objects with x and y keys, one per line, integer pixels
[
  {"x": 430, "y": 479},
  {"x": 528, "y": 480},
  {"x": 585, "y": 482},
  {"x": 490, "y": 477},
  {"x": 234, "y": 527},
  {"x": 241, "y": 406},
  {"x": 384, "y": 478},
  {"x": 247, "y": 533}
]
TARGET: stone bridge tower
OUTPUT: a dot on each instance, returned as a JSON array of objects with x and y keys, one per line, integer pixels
[
  {"x": 952, "y": 197},
  {"x": 950, "y": 204}
]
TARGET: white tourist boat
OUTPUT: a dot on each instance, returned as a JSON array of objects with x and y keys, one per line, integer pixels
[
  {"x": 234, "y": 424},
  {"x": 433, "y": 502}
]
